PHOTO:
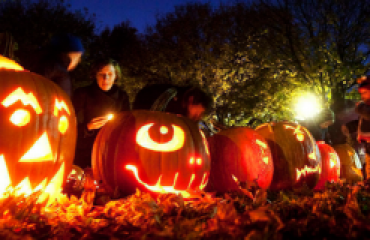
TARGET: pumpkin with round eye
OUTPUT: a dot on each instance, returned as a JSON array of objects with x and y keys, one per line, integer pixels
[
  {"x": 38, "y": 128},
  {"x": 330, "y": 165},
  {"x": 350, "y": 164},
  {"x": 295, "y": 154},
  {"x": 152, "y": 151},
  {"x": 239, "y": 154}
]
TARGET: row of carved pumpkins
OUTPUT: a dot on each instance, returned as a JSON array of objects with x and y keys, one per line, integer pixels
[{"x": 152, "y": 151}]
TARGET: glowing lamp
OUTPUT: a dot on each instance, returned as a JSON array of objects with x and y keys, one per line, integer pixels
[{"x": 307, "y": 106}]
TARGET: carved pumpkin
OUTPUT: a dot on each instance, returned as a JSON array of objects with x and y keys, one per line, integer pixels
[
  {"x": 295, "y": 155},
  {"x": 350, "y": 165},
  {"x": 239, "y": 154},
  {"x": 153, "y": 151},
  {"x": 38, "y": 131},
  {"x": 330, "y": 165}
]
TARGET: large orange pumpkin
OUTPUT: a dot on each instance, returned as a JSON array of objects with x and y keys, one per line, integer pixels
[
  {"x": 152, "y": 151},
  {"x": 350, "y": 164},
  {"x": 239, "y": 154},
  {"x": 295, "y": 155},
  {"x": 330, "y": 165},
  {"x": 38, "y": 131}
]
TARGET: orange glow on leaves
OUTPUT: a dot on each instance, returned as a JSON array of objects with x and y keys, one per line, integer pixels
[
  {"x": 27, "y": 99},
  {"x": 20, "y": 117},
  {"x": 144, "y": 140},
  {"x": 40, "y": 151}
]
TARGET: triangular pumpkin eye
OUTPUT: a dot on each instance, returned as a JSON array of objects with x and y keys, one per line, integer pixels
[
  {"x": 40, "y": 151},
  {"x": 175, "y": 143}
]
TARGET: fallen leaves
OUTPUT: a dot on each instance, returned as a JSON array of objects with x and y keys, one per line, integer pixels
[{"x": 341, "y": 211}]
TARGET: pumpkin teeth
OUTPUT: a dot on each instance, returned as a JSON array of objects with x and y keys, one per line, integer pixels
[{"x": 158, "y": 187}]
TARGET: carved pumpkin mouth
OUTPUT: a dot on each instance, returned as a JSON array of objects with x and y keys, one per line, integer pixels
[
  {"x": 24, "y": 187},
  {"x": 306, "y": 170},
  {"x": 39, "y": 152},
  {"x": 158, "y": 188}
]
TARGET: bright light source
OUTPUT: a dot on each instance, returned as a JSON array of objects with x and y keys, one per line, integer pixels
[
  {"x": 307, "y": 106},
  {"x": 110, "y": 116}
]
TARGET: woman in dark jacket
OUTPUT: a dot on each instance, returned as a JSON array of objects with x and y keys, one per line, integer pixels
[{"x": 94, "y": 103}]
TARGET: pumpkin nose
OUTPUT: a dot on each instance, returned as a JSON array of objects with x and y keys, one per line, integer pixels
[{"x": 40, "y": 151}]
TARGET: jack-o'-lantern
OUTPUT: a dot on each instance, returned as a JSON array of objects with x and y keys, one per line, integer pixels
[
  {"x": 350, "y": 165},
  {"x": 295, "y": 154},
  {"x": 239, "y": 154},
  {"x": 153, "y": 151},
  {"x": 38, "y": 131},
  {"x": 330, "y": 165}
]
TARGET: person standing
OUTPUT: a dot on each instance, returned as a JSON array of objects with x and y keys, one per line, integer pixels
[
  {"x": 363, "y": 109},
  {"x": 93, "y": 105},
  {"x": 56, "y": 60},
  {"x": 188, "y": 101}
]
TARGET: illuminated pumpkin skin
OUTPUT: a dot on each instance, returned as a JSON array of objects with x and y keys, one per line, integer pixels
[
  {"x": 115, "y": 148},
  {"x": 294, "y": 152},
  {"x": 17, "y": 139},
  {"x": 330, "y": 165},
  {"x": 240, "y": 152},
  {"x": 350, "y": 165}
]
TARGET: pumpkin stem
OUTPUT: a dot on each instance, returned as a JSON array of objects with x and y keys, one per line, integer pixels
[{"x": 162, "y": 101}]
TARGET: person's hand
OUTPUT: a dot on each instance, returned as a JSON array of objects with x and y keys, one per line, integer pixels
[
  {"x": 345, "y": 130},
  {"x": 97, "y": 123}
]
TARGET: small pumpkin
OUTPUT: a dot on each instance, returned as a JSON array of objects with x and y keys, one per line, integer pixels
[
  {"x": 152, "y": 151},
  {"x": 330, "y": 165},
  {"x": 350, "y": 165},
  {"x": 239, "y": 154},
  {"x": 38, "y": 131},
  {"x": 295, "y": 154}
]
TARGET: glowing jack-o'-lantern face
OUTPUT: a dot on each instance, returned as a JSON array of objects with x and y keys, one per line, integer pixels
[
  {"x": 330, "y": 165},
  {"x": 296, "y": 156},
  {"x": 240, "y": 154},
  {"x": 152, "y": 151},
  {"x": 38, "y": 129}
]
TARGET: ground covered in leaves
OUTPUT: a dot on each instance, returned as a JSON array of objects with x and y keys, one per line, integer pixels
[{"x": 342, "y": 211}]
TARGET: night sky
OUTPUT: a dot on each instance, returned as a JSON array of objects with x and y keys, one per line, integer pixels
[{"x": 138, "y": 12}]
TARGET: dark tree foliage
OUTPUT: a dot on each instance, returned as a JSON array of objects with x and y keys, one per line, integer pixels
[
  {"x": 324, "y": 42},
  {"x": 33, "y": 23}
]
